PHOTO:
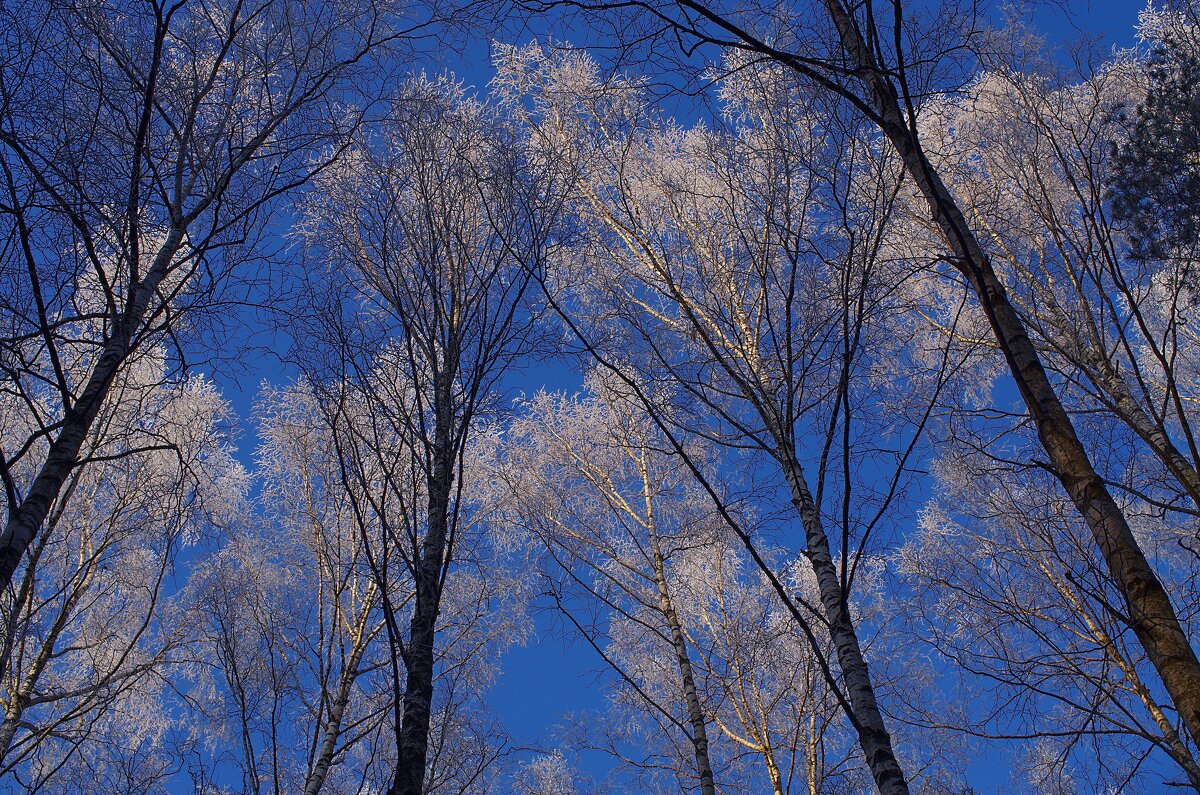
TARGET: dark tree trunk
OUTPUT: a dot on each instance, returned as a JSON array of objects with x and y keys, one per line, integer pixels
[
  {"x": 26, "y": 520},
  {"x": 1149, "y": 611},
  {"x": 413, "y": 742}
]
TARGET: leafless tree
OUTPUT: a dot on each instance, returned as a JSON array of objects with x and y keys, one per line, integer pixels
[
  {"x": 1009, "y": 591},
  {"x": 695, "y": 637},
  {"x": 1031, "y": 154},
  {"x": 736, "y": 275},
  {"x": 613, "y": 512},
  {"x": 91, "y": 637},
  {"x": 884, "y": 62},
  {"x": 287, "y": 667},
  {"x": 142, "y": 147},
  {"x": 432, "y": 226},
  {"x": 293, "y": 678}
]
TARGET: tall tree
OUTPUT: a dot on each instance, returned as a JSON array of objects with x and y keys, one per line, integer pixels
[
  {"x": 431, "y": 227},
  {"x": 740, "y": 268},
  {"x": 288, "y": 668},
  {"x": 141, "y": 147},
  {"x": 1031, "y": 154},
  {"x": 884, "y": 62},
  {"x": 589, "y": 479},
  {"x": 292, "y": 670},
  {"x": 92, "y": 637},
  {"x": 645, "y": 569}
]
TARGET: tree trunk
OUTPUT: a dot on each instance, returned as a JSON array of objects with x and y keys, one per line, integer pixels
[
  {"x": 773, "y": 771},
  {"x": 12, "y": 719},
  {"x": 812, "y": 758},
  {"x": 695, "y": 714},
  {"x": 337, "y": 709},
  {"x": 25, "y": 522},
  {"x": 1149, "y": 610},
  {"x": 868, "y": 721},
  {"x": 413, "y": 742}
]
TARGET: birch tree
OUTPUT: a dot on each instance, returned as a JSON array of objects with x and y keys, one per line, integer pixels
[
  {"x": 289, "y": 669},
  {"x": 343, "y": 687},
  {"x": 294, "y": 677},
  {"x": 433, "y": 226},
  {"x": 142, "y": 147},
  {"x": 885, "y": 63},
  {"x": 613, "y": 512},
  {"x": 91, "y": 635},
  {"x": 1009, "y": 591},
  {"x": 1032, "y": 155},
  {"x": 744, "y": 280},
  {"x": 645, "y": 570}
]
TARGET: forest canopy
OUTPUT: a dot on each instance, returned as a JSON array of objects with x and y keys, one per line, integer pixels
[{"x": 699, "y": 398}]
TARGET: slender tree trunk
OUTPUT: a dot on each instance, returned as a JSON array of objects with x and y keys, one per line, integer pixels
[
  {"x": 867, "y": 719},
  {"x": 413, "y": 742},
  {"x": 25, "y": 522},
  {"x": 337, "y": 709},
  {"x": 1128, "y": 408},
  {"x": 812, "y": 764},
  {"x": 12, "y": 719},
  {"x": 1149, "y": 612},
  {"x": 695, "y": 714},
  {"x": 773, "y": 771}
]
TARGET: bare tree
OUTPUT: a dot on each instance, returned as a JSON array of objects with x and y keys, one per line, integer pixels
[
  {"x": 1008, "y": 590},
  {"x": 292, "y": 674},
  {"x": 741, "y": 270},
  {"x": 647, "y": 572},
  {"x": 1031, "y": 154},
  {"x": 90, "y": 639},
  {"x": 884, "y": 62},
  {"x": 287, "y": 668},
  {"x": 434, "y": 225},
  {"x": 614, "y": 512},
  {"x": 345, "y": 694},
  {"x": 142, "y": 147}
]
